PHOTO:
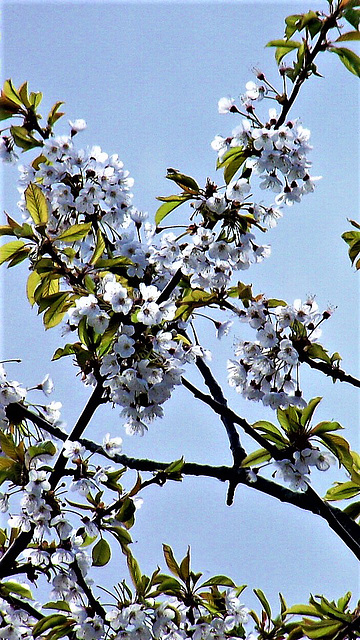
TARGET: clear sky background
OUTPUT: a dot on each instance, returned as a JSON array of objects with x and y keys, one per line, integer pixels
[{"x": 147, "y": 78}]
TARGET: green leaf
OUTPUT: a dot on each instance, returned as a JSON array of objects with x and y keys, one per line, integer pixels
[
  {"x": 344, "y": 600},
  {"x": 19, "y": 256},
  {"x": 324, "y": 427},
  {"x": 24, "y": 139},
  {"x": 271, "y": 433},
  {"x": 283, "y": 47},
  {"x": 44, "y": 448},
  {"x": 8, "y": 250},
  {"x": 35, "y": 99},
  {"x": 187, "y": 183},
  {"x": 169, "y": 206},
  {"x": 167, "y": 585},
  {"x": 11, "y": 93},
  {"x": 175, "y": 467},
  {"x": 170, "y": 560},
  {"x": 229, "y": 156},
  {"x": 185, "y": 567},
  {"x": 108, "y": 337},
  {"x": 348, "y": 58},
  {"x": 234, "y": 165},
  {"x": 283, "y": 419},
  {"x": 61, "y": 605},
  {"x": 256, "y": 457},
  {"x": 303, "y": 610},
  {"x": 292, "y": 23},
  {"x": 261, "y": 595},
  {"x": 114, "y": 265},
  {"x": 308, "y": 411},
  {"x": 54, "y": 114},
  {"x": 121, "y": 534},
  {"x": 342, "y": 491},
  {"x": 353, "y": 17},
  {"x": 353, "y": 510},
  {"x": 232, "y": 161},
  {"x": 23, "y": 93},
  {"x": 194, "y": 300},
  {"x": 74, "y": 233},
  {"x": 317, "y": 352},
  {"x": 6, "y": 230},
  {"x": 241, "y": 291},
  {"x": 352, "y": 238},
  {"x": 8, "y": 108},
  {"x": 8, "y": 446},
  {"x": 350, "y": 35},
  {"x": 340, "y": 447},
  {"x": 36, "y": 204},
  {"x": 14, "y": 587},
  {"x": 272, "y": 303},
  {"x": 99, "y": 248},
  {"x": 48, "y": 287},
  {"x": 48, "y": 622},
  {"x": 322, "y": 629},
  {"x": 101, "y": 553},
  {"x": 33, "y": 282},
  {"x": 126, "y": 511},
  {"x": 220, "y": 581},
  {"x": 134, "y": 570},
  {"x": 57, "y": 310}
]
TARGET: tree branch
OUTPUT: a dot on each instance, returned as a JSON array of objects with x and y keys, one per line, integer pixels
[
  {"x": 94, "y": 603},
  {"x": 224, "y": 410},
  {"x": 344, "y": 526},
  {"x": 93, "y": 403},
  {"x": 237, "y": 450},
  {"x": 328, "y": 24},
  {"x": 334, "y": 373}
]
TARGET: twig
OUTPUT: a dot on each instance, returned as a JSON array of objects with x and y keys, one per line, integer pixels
[
  {"x": 237, "y": 450},
  {"x": 344, "y": 526},
  {"x": 95, "y": 604},
  {"x": 93, "y": 403},
  {"x": 223, "y": 410},
  {"x": 328, "y": 24},
  {"x": 335, "y": 373}
]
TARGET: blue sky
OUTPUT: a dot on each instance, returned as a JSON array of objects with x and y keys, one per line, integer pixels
[{"x": 147, "y": 78}]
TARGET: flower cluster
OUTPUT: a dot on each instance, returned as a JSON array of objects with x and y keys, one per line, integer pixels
[
  {"x": 10, "y": 391},
  {"x": 208, "y": 262},
  {"x": 296, "y": 472},
  {"x": 143, "y": 363},
  {"x": 170, "y": 619},
  {"x": 81, "y": 186},
  {"x": 265, "y": 369},
  {"x": 276, "y": 154}
]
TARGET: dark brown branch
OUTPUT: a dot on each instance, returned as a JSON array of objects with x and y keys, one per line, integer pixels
[
  {"x": 93, "y": 602},
  {"x": 22, "y": 604},
  {"x": 237, "y": 450},
  {"x": 223, "y": 410},
  {"x": 328, "y": 369},
  {"x": 344, "y": 526},
  {"x": 24, "y": 538},
  {"x": 11, "y": 554},
  {"x": 164, "y": 295},
  {"x": 93, "y": 403},
  {"x": 348, "y": 632}
]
